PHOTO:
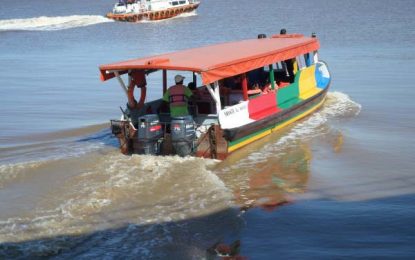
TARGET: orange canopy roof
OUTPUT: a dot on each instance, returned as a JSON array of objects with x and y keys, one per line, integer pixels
[{"x": 224, "y": 60}]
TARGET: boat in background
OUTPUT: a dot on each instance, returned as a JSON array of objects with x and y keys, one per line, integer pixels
[
  {"x": 138, "y": 10},
  {"x": 248, "y": 90}
]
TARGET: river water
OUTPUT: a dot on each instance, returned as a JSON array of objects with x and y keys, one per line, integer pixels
[{"x": 338, "y": 184}]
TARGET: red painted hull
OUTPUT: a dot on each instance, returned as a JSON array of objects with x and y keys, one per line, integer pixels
[{"x": 153, "y": 15}]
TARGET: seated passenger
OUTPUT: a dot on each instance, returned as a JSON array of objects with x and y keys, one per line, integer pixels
[
  {"x": 194, "y": 89},
  {"x": 192, "y": 86},
  {"x": 267, "y": 88},
  {"x": 196, "y": 96},
  {"x": 257, "y": 77},
  {"x": 224, "y": 92},
  {"x": 254, "y": 89},
  {"x": 234, "y": 82}
]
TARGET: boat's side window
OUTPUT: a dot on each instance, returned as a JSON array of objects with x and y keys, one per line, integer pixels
[
  {"x": 315, "y": 56},
  {"x": 301, "y": 62},
  {"x": 275, "y": 66},
  {"x": 231, "y": 90},
  {"x": 175, "y": 3},
  {"x": 182, "y": 2},
  {"x": 290, "y": 69},
  {"x": 309, "y": 59},
  {"x": 257, "y": 77},
  {"x": 280, "y": 67}
]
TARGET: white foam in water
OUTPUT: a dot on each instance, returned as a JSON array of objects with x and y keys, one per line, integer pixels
[
  {"x": 45, "y": 23},
  {"x": 8, "y": 172},
  {"x": 67, "y": 149},
  {"x": 337, "y": 105},
  {"x": 121, "y": 189},
  {"x": 340, "y": 104},
  {"x": 118, "y": 190}
]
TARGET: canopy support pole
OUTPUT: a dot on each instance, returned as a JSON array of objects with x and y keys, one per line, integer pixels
[
  {"x": 130, "y": 78},
  {"x": 271, "y": 77},
  {"x": 194, "y": 79},
  {"x": 164, "y": 81},
  {"x": 121, "y": 82},
  {"x": 244, "y": 86},
  {"x": 284, "y": 65},
  {"x": 215, "y": 95}
]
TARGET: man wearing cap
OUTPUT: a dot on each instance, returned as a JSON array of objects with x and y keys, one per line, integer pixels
[{"x": 178, "y": 96}]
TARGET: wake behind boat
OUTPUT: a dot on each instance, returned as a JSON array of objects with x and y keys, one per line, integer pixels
[
  {"x": 249, "y": 89},
  {"x": 137, "y": 10}
]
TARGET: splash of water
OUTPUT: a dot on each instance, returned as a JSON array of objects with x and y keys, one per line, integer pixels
[
  {"x": 118, "y": 182},
  {"x": 45, "y": 23},
  {"x": 114, "y": 190},
  {"x": 337, "y": 105},
  {"x": 146, "y": 191}
]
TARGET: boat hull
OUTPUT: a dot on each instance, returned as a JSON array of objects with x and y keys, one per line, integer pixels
[
  {"x": 153, "y": 15},
  {"x": 247, "y": 134},
  {"x": 218, "y": 143}
]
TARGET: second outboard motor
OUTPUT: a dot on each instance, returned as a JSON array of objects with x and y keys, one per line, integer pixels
[
  {"x": 149, "y": 134},
  {"x": 183, "y": 135}
]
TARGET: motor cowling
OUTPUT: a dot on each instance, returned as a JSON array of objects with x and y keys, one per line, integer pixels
[
  {"x": 150, "y": 132},
  {"x": 183, "y": 135}
]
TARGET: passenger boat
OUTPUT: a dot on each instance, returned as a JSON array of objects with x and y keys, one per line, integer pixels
[
  {"x": 137, "y": 10},
  {"x": 247, "y": 89}
]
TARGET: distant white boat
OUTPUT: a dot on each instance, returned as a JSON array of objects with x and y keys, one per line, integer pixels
[{"x": 137, "y": 10}]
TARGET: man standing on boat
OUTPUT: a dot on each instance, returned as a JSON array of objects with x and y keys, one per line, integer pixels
[{"x": 178, "y": 96}]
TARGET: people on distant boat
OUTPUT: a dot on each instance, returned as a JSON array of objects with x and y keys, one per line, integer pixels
[{"x": 177, "y": 96}]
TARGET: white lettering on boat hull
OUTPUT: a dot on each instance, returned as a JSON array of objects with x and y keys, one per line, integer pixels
[{"x": 235, "y": 116}]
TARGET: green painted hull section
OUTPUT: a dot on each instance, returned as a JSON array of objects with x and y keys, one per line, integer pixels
[{"x": 288, "y": 96}]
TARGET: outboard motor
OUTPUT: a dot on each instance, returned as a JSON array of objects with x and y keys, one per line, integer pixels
[
  {"x": 183, "y": 135},
  {"x": 149, "y": 134}
]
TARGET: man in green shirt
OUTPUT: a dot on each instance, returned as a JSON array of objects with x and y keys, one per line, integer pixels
[{"x": 177, "y": 96}]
